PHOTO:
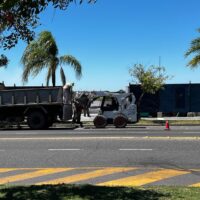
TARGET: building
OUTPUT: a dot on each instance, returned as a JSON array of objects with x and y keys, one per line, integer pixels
[{"x": 173, "y": 99}]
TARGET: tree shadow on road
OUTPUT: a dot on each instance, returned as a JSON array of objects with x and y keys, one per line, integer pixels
[{"x": 72, "y": 192}]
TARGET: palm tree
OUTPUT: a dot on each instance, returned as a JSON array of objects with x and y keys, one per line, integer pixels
[
  {"x": 43, "y": 53},
  {"x": 194, "y": 49}
]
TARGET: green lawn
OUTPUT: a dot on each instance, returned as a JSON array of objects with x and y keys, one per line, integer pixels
[
  {"x": 144, "y": 122},
  {"x": 87, "y": 192},
  {"x": 171, "y": 122}
]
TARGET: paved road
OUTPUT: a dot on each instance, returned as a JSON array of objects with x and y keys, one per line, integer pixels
[{"x": 131, "y": 157}]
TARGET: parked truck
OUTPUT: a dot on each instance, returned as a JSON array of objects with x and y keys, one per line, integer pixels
[{"x": 40, "y": 107}]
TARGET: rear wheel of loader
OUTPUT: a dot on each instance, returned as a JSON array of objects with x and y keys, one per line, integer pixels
[
  {"x": 100, "y": 121},
  {"x": 120, "y": 121}
]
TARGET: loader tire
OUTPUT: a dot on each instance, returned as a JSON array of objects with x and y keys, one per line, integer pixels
[
  {"x": 100, "y": 121},
  {"x": 37, "y": 120},
  {"x": 120, "y": 121}
]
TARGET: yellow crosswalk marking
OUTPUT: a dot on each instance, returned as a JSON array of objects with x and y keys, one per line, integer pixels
[
  {"x": 2, "y": 170},
  {"x": 29, "y": 175},
  {"x": 142, "y": 179},
  {"x": 86, "y": 176},
  {"x": 195, "y": 185}
]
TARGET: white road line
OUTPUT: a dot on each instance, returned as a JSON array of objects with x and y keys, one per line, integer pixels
[
  {"x": 190, "y": 132},
  {"x": 115, "y": 132},
  {"x": 136, "y": 149},
  {"x": 63, "y": 149},
  {"x": 29, "y": 133}
]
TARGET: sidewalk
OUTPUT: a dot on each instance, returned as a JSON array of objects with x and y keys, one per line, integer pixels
[
  {"x": 171, "y": 118},
  {"x": 88, "y": 119}
]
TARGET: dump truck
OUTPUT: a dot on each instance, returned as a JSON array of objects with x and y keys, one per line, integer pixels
[{"x": 39, "y": 107}]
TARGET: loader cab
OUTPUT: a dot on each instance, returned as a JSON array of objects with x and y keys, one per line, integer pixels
[{"x": 109, "y": 103}]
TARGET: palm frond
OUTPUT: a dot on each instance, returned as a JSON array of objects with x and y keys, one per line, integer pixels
[
  {"x": 48, "y": 43},
  {"x": 27, "y": 53},
  {"x": 194, "y": 47},
  {"x": 194, "y": 62},
  {"x": 30, "y": 69},
  {"x": 63, "y": 77},
  {"x": 38, "y": 55},
  {"x": 34, "y": 61},
  {"x": 25, "y": 75},
  {"x": 72, "y": 61}
]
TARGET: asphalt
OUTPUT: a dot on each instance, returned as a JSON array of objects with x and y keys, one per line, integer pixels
[{"x": 124, "y": 157}]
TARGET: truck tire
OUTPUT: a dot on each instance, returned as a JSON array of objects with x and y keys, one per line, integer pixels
[
  {"x": 100, "y": 121},
  {"x": 37, "y": 120},
  {"x": 120, "y": 121}
]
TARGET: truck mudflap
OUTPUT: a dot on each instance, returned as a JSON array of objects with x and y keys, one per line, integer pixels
[{"x": 67, "y": 112}]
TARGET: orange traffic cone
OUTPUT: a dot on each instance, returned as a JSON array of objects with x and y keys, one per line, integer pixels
[{"x": 167, "y": 125}]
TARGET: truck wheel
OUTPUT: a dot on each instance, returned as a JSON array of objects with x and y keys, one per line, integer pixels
[
  {"x": 100, "y": 121},
  {"x": 37, "y": 120},
  {"x": 120, "y": 121}
]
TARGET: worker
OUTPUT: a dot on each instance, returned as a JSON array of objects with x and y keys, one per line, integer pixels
[
  {"x": 86, "y": 104},
  {"x": 77, "y": 110}
]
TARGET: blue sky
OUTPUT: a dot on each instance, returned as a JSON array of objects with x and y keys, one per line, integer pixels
[{"x": 112, "y": 35}]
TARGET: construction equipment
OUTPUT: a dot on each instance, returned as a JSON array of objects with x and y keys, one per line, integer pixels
[
  {"x": 116, "y": 108},
  {"x": 40, "y": 107}
]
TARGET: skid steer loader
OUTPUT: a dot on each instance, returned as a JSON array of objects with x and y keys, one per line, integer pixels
[{"x": 115, "y": 108}]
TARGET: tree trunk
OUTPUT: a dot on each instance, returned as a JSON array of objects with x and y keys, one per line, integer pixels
[{"x": 53, "y": 78}]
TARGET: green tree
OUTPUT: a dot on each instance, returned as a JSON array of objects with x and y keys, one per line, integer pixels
[
  {"x": 151, "y": 79},
  {"x": 19, "y": 18},
  {"x": 43, "y": 53},
  {"x": 3, "y": 61},
  {"x": 194, "y": 49}
]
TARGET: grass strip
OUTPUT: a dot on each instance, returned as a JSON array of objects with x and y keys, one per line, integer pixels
[
  {"x": 88, "y": 192},
  {"x": 144, "y": 122},
  {"x": 172, "y": 122}
]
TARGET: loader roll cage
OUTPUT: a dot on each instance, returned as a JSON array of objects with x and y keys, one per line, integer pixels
[{"x": 109, "y": 103}]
